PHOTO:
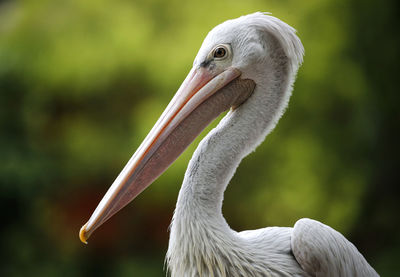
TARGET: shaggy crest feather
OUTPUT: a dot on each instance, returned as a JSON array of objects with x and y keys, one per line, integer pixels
[{"x": 285, "y": 34}]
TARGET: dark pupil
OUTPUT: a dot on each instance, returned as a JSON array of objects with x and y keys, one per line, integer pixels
[{"x": 219, "y": 52}]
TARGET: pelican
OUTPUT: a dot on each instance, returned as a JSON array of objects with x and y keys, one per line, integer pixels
[{"x": 247, "y": 66}]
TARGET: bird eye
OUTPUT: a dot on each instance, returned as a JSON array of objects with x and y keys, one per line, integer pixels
[{"x": 220, "y": 52}]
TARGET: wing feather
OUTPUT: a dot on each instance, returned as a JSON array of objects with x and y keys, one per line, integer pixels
[{"x": 322, "y": 251}]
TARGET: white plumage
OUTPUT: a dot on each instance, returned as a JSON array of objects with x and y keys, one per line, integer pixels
[{"x": 257, "y": 56}]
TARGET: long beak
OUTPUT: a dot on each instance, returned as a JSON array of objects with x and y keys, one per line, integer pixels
[{"x": 198, "y": 101}]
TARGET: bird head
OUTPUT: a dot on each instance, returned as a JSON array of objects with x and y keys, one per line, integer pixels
[{"x": 248, "y": 43}]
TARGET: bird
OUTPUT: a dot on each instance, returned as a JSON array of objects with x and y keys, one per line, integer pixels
[{"x": 246, "y": 66}]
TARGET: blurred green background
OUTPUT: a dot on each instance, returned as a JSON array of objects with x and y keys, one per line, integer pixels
[{"x": 82, "y": 82}]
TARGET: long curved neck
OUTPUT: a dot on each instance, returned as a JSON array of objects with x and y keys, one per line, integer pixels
[{"x": 219, "y": 154}]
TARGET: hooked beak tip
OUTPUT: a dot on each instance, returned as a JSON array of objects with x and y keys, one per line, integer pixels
[{"x": 83, "y": 236}]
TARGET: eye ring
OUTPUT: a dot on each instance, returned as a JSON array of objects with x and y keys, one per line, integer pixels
[{"x": 220, "y": 52}]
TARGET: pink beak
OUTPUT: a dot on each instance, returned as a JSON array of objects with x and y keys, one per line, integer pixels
[{"x": 199, "y": 100}]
